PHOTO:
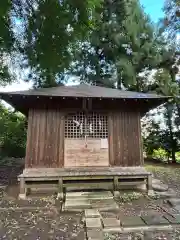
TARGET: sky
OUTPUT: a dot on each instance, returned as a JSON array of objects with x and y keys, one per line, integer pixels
[{"x": 151, "y": 7}]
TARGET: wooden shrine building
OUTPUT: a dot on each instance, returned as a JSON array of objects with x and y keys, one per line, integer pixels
[{"x": 84, "y": 135}]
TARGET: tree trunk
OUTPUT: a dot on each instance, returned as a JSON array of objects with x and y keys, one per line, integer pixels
[
  {"x": 172, "y": 140},
  {"x": 178, "y": 109},
  {"x": 173, "y": 156}
]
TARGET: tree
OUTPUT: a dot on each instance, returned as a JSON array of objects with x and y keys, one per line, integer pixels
[
  {"x": 165, "y": 86},
  {"x": 142, "y": 51},
  {"x": 44, "y": 34},
  {"x": 151, "y": 135},
  {"x": 6, "y": 43},
  {"x": 120, "y": 46},
  {"x": 12, "y": 133},
  {"x": 171, "y": 22}
]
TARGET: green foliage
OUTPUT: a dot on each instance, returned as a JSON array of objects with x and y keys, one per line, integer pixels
[
  {"x": 171, "y": 22},
  {"x": 109, "y": 43},
  {"x": 45, "y": 34},
  {"x": 12, "y": 134},
  {"x": 6, "y": 42},
  {"x": 160, "y": 154},
  {"x": 120, "y": 46},
  {"x": 141, "y": 46},
  {"x": 129, "y": 196}
]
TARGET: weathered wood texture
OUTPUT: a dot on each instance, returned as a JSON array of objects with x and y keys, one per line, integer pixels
[
  {"x": 78, "y": 154},
  {"x": 45, "y": 138},
  {"x": 125, "y": 144},
  {"x": 45, "y": 141}
]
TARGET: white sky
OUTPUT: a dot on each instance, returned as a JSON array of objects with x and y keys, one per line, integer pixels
[{"x": 16, "y": 87}]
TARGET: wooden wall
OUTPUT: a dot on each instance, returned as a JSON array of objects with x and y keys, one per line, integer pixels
[
  {"x": 45, "y": 138},
  {"x": 76, "y": 154},
  {"x": 125, "y": 144}
]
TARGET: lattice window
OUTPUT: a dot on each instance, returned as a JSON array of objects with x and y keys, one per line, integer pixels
[{"x": 79, "y": 125}]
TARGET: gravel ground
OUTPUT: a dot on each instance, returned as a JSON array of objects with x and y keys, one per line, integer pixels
[{"x": 41, "y": 218}]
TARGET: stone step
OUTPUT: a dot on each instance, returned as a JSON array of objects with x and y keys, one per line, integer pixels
[
  {"x": 177, "y": 207},
  {"x": 168, "y": 194},
  {"x": 92, "y": 213},
  {"x": 89, "y": 195},
  {"x": 73, "y": 204},
  {"x": 155, "y": 220},
  {"x": 95, "y": 234},
  {"x": 93, "y": 223},
  {"x": 105, "y": 204},
  {"x": 158, "y": 186},
  {"x": 111, "y": 222},
  {"x": 134, "y": 221},
  {"x": 174, "y": 201}
]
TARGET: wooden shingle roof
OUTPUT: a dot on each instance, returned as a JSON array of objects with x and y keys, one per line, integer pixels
[
  {"x": 23, "y": 100},
  {"x": 84, "y": 90}
]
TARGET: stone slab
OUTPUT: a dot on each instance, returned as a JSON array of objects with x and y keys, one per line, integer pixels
[
  {"x": 95, "y": 234},
  {"x": 77, "y": 204},
  {"x": 3, "y": 187},
  {"x": 119, "y": 236},
  {"x": 175, "y": 219},
  {"x": 177, "y": 216},
  {"x": 168, "y": 194},
  {"x": 174, "y": 201},
  {"x": 111, "y": 222},
  {"x": 92, "y": 213},
  {"x": 89, "y": 195},
  {"x": 160, "y": 187},
  {"x": 132, "y": 221},
  {"x": 177, "y": 208},
  {"x": 155, "y": 220},
  {"x": 93, "y": 223},
  {"x": 156, "y": 181},
  {"x": 105, "y": 204}
]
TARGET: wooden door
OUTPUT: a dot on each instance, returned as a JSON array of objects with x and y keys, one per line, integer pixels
[{"x": 86, "y": 140}]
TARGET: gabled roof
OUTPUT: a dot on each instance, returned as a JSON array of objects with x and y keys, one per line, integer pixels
[
  {"x": 84, "y": 90},
  {"x": 23, "y": 100}
]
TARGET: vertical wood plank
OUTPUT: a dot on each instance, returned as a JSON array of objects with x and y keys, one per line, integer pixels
[
  {"x": 38, "y": 139},
  {"x": 42, "y": 137},
  {"x": 123, "y": 138},
  {"x": 33, "y": 139},
  {"x": 52, "y": 138},
  {"x": 135, "y": 144},
  {"x": 29, "y": 141},
  {"x": 140, "y": 140},
  {"x": 119, "y": 141},
  {"x": 111, "y": 139},
  {"x": 56, "y": 140},
  {"x": 126, "y": 146},
  {"x": 130, "y": 138},
  {"x": 61, "y": 138},
  {"x": 47, "y": 130},
  {"x": 115, "y": 138}
]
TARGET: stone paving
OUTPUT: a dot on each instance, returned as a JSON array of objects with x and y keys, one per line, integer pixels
[
  {"x": 76, "y": 201},
  {"x": 97, "y": 226}
]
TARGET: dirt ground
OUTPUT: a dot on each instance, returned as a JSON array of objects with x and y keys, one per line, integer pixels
[{"x": 42, "y": 218}]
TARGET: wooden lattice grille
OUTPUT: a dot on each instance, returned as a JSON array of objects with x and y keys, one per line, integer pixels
[{"x": 80, "y": 125}]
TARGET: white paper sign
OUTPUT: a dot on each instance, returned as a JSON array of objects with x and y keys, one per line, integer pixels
[{"x": 104, "y": 143}]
